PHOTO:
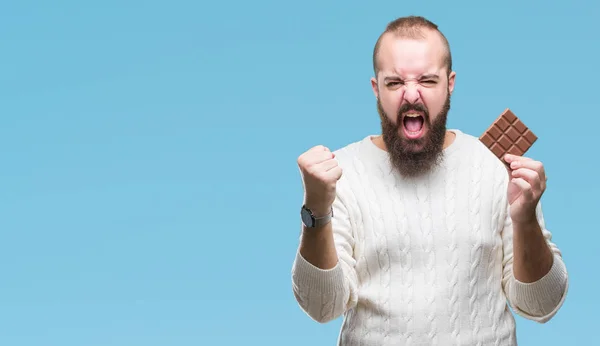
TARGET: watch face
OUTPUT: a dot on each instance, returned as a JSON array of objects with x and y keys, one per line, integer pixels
[{"x": 306, "y": 217}]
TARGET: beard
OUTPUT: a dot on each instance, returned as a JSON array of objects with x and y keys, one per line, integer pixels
[{"x": 414, "y": 157}]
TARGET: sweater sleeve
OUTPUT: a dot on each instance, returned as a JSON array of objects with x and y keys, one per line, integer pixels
[
  {"x": 538, "y": 301},
  {"x": 325, "y": 295}
]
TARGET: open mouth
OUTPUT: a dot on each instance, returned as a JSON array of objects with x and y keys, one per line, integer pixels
[{"x": 413, "y": 124}]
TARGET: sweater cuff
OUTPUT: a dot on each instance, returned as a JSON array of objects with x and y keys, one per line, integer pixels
[
  {"x": 544, "y": 296},
  {"x": 324, "y": 281}
]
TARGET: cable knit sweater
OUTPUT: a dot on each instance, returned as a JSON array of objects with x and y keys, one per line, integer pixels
[{"x": 425, "y": 261}]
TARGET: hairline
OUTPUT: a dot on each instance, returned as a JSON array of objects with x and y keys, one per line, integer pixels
[{"x": 415, "y": 31}]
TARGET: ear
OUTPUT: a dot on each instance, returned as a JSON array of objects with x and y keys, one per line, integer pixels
[
  {"x": 451, "y": 80},
  {"x": 375, "y": 87}
]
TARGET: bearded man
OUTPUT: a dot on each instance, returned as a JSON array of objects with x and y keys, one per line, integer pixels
[{"x": 421, "y": 235}]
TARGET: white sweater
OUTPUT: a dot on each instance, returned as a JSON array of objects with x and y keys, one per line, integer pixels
[{"x": 426, "y": 261}]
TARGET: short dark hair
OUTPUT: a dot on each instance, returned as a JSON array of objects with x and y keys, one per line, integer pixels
[{"x": 411, "y": 27}]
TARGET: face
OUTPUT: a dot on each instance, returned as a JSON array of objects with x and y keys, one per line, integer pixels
[{"x": 413, "y": 99}]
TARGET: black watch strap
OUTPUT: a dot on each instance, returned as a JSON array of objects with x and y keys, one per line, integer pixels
[{"x": 311, "y": 221}]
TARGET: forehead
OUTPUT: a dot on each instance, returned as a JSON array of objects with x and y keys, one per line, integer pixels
[{"x": 410, "y": 57}]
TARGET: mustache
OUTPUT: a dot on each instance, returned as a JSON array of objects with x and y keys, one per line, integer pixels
[{"x": 413, "y": 107}]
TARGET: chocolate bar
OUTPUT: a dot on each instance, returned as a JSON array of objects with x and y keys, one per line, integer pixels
[{"x": 508, "y": 135}]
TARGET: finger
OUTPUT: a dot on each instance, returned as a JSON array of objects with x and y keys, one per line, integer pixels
[
  {"x": 326, "y": 165},
  {"x": 530, "y": 176},
  {"x": 314, "y": 157},
  {"x": 512, "y": 157},
  {"x": 318, "y": 148},
  {"x": 334, "y": 173},
  {"x": 533, "y": 165},
  {"x": 525, "y": 188},
  {"x": 320, "y": 157},
  {"x": 311, "y": 151}
]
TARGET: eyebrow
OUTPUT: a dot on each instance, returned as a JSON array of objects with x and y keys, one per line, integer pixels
[
  {"x": 430, "y": 76},
  {"x": 425, "y": 76},
  {"x": 388, "y": 78}
]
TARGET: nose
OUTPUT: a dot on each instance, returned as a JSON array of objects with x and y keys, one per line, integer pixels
[{"x": 411, "y": 93}]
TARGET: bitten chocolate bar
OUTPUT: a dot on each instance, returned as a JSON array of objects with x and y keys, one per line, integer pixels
[{"x": 508, "y": 135}]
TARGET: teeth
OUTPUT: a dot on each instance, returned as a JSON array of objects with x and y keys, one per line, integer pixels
[{"x": 413, "y": 115}]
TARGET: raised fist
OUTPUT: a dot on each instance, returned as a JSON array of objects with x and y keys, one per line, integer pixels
[{"x": 320, "y": 172}]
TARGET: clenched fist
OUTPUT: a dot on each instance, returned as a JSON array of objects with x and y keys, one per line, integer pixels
[{"x": 320, "y": 173}]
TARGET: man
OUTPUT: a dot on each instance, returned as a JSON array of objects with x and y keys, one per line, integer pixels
[{"x": 421, "y": 236}]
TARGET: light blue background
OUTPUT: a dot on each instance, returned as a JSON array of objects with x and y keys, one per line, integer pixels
[{"x": 148, "y": 182}]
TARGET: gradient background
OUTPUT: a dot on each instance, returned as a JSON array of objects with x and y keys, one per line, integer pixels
[{"x": 148, "y": 182}]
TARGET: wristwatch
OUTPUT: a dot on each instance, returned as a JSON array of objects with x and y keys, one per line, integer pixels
[{"x": 310, "y": 221}]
